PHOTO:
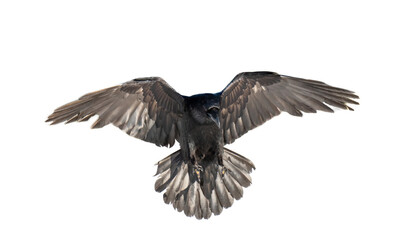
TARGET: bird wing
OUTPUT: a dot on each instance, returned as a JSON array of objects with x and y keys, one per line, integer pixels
[
  {"x": 252, "y": 98},
  {"x": 145, "y": 108}
]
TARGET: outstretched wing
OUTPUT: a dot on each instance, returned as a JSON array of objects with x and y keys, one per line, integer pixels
[
  {"x": 252, "y": 98},
  {"x": 145, "y": 108}
]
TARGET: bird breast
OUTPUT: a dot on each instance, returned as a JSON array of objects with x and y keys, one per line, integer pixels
[{"x": 204, "y": 142}]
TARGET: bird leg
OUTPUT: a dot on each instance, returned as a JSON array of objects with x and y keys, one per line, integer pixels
[
  {"x": 197, "y": 170},
  {"x": 220, "y": 160},
  {"x": 222, "y": 169},
  {"x": 195, "y": 155}
]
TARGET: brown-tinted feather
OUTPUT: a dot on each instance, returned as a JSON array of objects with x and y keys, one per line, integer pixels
[
  {"x": 252, "y": 98},
  {"x": 217, "y": 190},
  {"x": 145, "y": 108}
]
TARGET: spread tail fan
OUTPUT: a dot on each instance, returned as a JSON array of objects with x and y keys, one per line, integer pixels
[{"x": 217, "y": 188}]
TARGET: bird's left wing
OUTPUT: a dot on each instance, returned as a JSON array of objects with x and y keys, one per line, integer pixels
[
  {"x": 252, "y": 98},
  {"x": 145, "y": 108}
]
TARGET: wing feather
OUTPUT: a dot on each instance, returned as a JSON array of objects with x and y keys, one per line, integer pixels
[
  {"x": 252, "y": 98},
  {"x": 145, "y": 108}
]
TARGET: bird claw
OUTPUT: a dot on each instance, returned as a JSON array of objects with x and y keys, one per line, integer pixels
[
  {"x": 223, "y": 170},
  {"x": 198, "y": 170}
]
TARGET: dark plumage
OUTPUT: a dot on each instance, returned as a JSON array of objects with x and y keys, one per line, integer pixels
[{"x": 202, "y": 177}]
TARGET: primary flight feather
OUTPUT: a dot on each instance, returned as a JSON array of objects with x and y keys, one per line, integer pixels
[{"x": 202, "y": 177}]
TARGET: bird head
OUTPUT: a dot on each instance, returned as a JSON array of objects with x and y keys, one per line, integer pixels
[
  {"x": 205, "y": 108},
  {"x": 213, "y": 113}
]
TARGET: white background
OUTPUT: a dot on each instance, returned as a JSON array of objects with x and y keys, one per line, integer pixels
[{"x": 323, "y": 176}]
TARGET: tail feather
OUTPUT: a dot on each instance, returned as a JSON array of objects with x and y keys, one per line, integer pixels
[
  {"x": 223, "y": 194},
  {"x": 179, "y": 182},
  {"x": 163, "y": 181},
  {"x": 240, "y": 161},
  {"x": 215, "y": 205},
  {"x": 217, "y": 189},
  {"x": 242, "y": 177},
  {"x": 168, "y": 168},
  {"x": 233, "y": 186}
]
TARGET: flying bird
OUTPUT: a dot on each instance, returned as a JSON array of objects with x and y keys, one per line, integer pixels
[{"x": 203, "y": 177}]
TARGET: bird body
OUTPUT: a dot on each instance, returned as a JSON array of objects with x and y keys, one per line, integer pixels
[
  {"x": 203, "y": 135},
  {"x": 203, "y": 177}
]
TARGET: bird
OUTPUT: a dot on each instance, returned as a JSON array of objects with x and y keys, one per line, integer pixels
[{"x": 203, "y": 177}]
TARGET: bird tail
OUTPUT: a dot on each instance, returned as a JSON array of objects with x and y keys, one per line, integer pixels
[{"x": 204, "y": 191}]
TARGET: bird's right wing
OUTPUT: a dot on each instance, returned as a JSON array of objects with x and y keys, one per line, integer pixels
[
  {"x": 145, "y": 108},
  {"x": 252, "y": 98}
]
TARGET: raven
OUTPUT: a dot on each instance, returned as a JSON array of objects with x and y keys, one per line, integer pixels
[{"x": 202, "y": 177}]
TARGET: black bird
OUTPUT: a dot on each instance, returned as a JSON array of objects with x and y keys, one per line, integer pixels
[{"x": 202, "y": 177}]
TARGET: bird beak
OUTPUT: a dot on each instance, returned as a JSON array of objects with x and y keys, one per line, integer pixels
[{"x": 215, "y": 118}]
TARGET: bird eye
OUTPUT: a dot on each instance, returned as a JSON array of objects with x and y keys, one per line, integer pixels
[{"x": 213, "y": 110}]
